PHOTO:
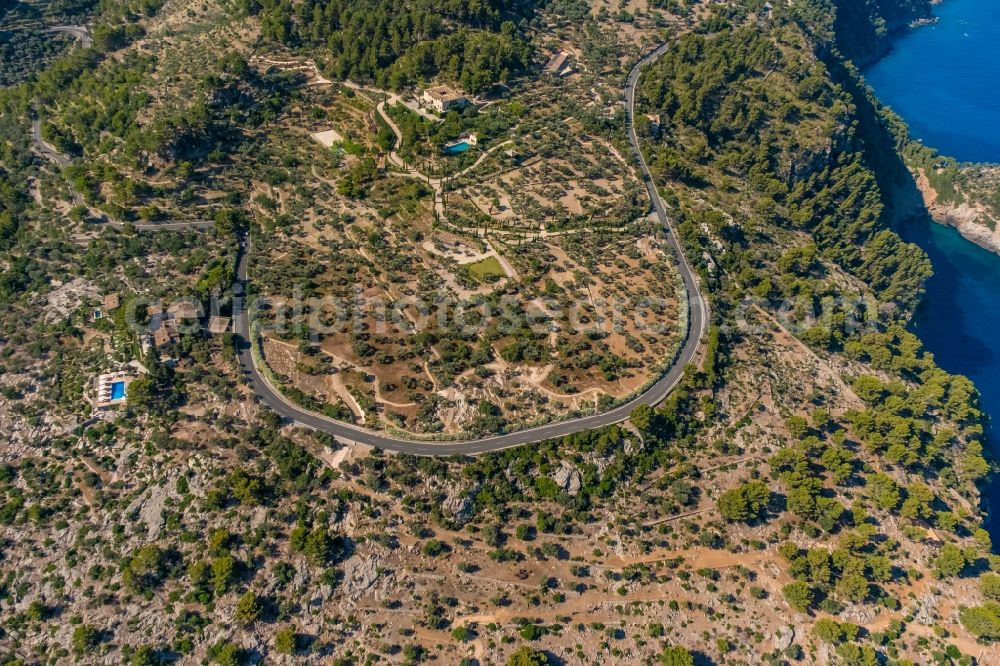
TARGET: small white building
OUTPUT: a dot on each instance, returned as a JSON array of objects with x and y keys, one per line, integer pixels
[
  {"x": 444, "y": 99},
  {"x": 556, "y": 62}
]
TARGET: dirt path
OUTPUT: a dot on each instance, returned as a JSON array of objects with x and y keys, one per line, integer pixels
[
  {"x": 669, "y": 519},
  {"x": 49, "y": 152},
  {"x": 315, "y": 79},
  {"x": 701, "y": 557},
  {"x": 102, "y": 473},
  {"x": 831, "y": 374},
  {"x": 88, "y": 494},
  {"x": 436, "y": 184},
  {"x": 322, "y": 179}
]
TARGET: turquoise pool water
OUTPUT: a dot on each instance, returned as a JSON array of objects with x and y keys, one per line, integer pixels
[
  {"x": 457, "y": 148},
  {"x": 117, "y": 390}
]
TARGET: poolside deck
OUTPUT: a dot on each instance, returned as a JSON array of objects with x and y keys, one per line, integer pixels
[{"x": 106, "y": 394}]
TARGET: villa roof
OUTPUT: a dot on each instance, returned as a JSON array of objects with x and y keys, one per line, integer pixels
[
  {"x": 185, "y": 310},
  {"x": 166, "y": 333},
  {"x": 444, "y": 93},
  {"x": 556, "y": 62},
  {"x": 111, "y": 301},
  {"x": 160, "y": 337}
]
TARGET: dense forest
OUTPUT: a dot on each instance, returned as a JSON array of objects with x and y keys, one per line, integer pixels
[
  {"x": 798, "y": 163},
  {"x": 25, "y": 45},
  {"x": 863, "y": 27},
  {"x": 397, "y": 42},
  {"x": 786, "y": 138}
]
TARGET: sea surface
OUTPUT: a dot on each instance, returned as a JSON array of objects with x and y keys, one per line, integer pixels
[
  {"x": 959, "y": 322},
  {"x": 959, "y": 318},
  {"x": 944, "y": 80}
]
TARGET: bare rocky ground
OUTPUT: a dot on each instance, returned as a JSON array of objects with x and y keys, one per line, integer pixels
[
  {"x": 974, "y": 212},
  {"x": 193, "y": 527},
  {"x": 420, "y": 552}
]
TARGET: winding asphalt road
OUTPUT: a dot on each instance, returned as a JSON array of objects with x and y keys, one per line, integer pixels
[
  {"x": 697, "y": 319},
  {"x": 80, "y": 32},
  {"x": 45, "y": 149}
]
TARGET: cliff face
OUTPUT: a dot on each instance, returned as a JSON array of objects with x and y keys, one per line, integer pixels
[
  {"x": 863, "y": 31},
  {"x": 971, "y": 205},
  {"x": 874, "y": 136},
  {"x": 864, "y": 27}
]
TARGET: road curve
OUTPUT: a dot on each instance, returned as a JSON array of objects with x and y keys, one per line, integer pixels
[
  {"x": 80, "y": 32},
  {"x": 45, "y": 149},
  {"x": 697, "y": 319}
]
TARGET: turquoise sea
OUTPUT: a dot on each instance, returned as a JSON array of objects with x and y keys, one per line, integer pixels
[
  {"x": 959, "y": 322},
  {"x": 959, "y": 319},
  {"x": 944, "y": 80}
]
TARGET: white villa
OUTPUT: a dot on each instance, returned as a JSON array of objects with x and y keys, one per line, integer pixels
[{"x": 443, "y": 99}]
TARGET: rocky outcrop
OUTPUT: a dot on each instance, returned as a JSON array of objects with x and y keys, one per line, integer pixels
[
  {"x": 803, "y": 163},
  {"x": 360, "y": 575},
  {"x": 148, "y": 507},
  {"x": 966, "y": 219},
  {"x": 568, "y": 478},
  {"x": 924, "y": 609},
  {"x": 784, "y": 638},
  {"x": 459, "y": 503},
  {"x": 972, "y": 219}
]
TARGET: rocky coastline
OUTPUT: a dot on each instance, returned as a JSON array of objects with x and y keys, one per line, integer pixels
[
  {"x": 971, "y": 218},
  {"x": 969, "y": 209}
]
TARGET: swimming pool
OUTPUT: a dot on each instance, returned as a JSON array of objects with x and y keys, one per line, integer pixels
[
  {"x": 456, "y": 148},
  {"x": 117, "y": 390}
]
